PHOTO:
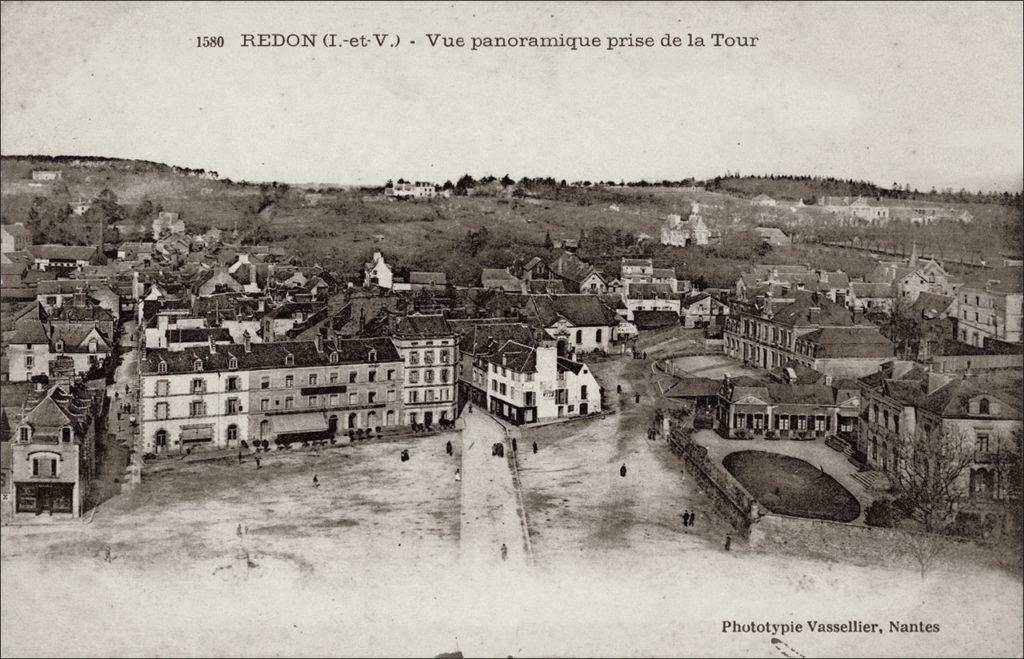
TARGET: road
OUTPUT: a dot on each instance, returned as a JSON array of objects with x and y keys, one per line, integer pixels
[{"x": 490, "y": 516}]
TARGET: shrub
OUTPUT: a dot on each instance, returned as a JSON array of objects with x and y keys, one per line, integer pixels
[{"x": 881, "y": 513}]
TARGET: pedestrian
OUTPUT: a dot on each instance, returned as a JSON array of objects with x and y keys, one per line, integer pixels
[
  {"x": 693, "y": 518},
  {"x": 258, "y": 462},
  {"x": 316, "y": 481},
  {"x": 504, "y": 552},
  {"x": 247, "y": 529},
  {"x": 535, "y": 447},
  {"x": 622, "y": 470},
  {"x": 239, "y": 456},
  {"x": 728, "y": 542},
  {"x": 638, "y": 398},
  {"x": 125, "y": 389},
  {"x": 238, "y": 531},
  {"x": 470, "y": 408},
  {"x": 106, "y": 557},
  {"x": 515, "y": 447},
  {"x": 686, "y": 518},
  {"x": 645, "y": 354},
  {"x": 448, "y": 447},
  {"x": 116, "y": 395},
  {"x": 458, "y": 475},
  {"x": 618, "y": 388}
]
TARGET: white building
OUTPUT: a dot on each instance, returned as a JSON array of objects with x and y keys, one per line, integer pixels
[
  {"x": 377, "y": 273},
  {"x": 691, "y": 232}
]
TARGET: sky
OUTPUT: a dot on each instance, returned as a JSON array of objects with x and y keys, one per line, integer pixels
[{"x": 922, "y": 93}]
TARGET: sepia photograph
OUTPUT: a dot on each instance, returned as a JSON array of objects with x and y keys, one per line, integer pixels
[{"x": 522, "y": 329}]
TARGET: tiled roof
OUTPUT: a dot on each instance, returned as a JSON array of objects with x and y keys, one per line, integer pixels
[
  {"x": 198, "y": 334},
  {"x": 433, "y": 278},
  {"x": 664, "y": 273},
  {"x": 580, "y": 310},
  {"x": 569, "y": 266},
  {"x": 482, "y": 338},
  {"x": 515, "y": 356},
  {"x": 62, "y": 252},
  {"x": 930, "y": 305},
  {"x": 1006, "y": 281},
  {"x": 564, "y": 364},
  {"x": 271, "y": 355},
  {"x": 798, "y": 312},
  {"x": 655, "y": 319},
  {"x": 650, "y": 291},
  {"x": 854, "y": 341},
  {"x": 866, "y": 289},
  {"x": 420, "y": 326}
]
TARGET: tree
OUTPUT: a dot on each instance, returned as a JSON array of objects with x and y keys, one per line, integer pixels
[{"x": 928, "y": 479}]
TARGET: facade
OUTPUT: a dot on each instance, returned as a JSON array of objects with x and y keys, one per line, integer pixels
[
  {"x": 871, "y": 296},
  {"x": 650, "y": 297},
  {"x": 53, "y": 453},
  {"x": 411, "y": 190},
  {"x": 167, "y": 223},
  {"x": 526, "y": 384},
  {"x": 691, "y": 232},
  {"x": 579, "y": 323},
  {"x": 703, "y": 310},
  {"x": 847, "y": 352},
  {"x": 377, "y": 273},
  {"x": 989, "y": 307},
  {"x": 14, "y": 238},
  {"x": 219, "y": 396},
  {"x": 428, "y": 352},
  {"x": 61, "y": 257},
  {"x": 763, "y": 200},
  {"x": 750, "y": 407}
]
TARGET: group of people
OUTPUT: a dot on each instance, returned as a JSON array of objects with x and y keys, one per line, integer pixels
[
  {"x": 689, "y": 517},
  {"x": 652, "y": 434},
  {"x": 405, "y": 455},
  {"x": 639, "y": 354}
]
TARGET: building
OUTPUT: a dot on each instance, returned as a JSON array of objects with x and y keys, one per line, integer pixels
[
  {"x": 501, "y": 279},
  {"x": 650, "y": 297},
  {"x": 529, "y": 383},
  {"x": 691, "y": 232},
  {"x": 848, "y": 352},
  {"x": 411, "y": 190},
  {"x": 765, "y": 335},
  {"x": 773, "y": 236},
  {"x": 477, "y": 339},
  {"x": 61, "y": 257},
  {"x": 167, "y": 223},
  {"x": 14, "y": 238},
  {"x": 871, "y": 296},
  {"x": 427, "y": 348},
  {"x": 47, "y": 175},
  {"x": 989, "y": 307},
  {"x": 52, "y": 452},
  {"x": 377, "y": 272},
  {"x": 219, "y": 396},
  {"x": 577, "y": 275},
  {"x": 763, "y": 200},
  {"x": 904, "y": 404},
  {"x": 761, "y": 408},
  {"x": 53, "y": 294},
  {"x": 703, "y": 310},
  {"x": 579, "y": 323}
]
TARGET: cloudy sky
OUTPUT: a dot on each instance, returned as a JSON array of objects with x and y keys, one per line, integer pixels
[{"x": 926, "y": 94}]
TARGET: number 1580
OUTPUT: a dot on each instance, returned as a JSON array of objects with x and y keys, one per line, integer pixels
[{"x": 209, "y": 42}]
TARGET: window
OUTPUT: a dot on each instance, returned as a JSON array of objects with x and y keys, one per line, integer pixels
[
  {"x": 264, "y": 404},
  {"x": 314, "y": 401},
  {"x": 160, "y": 438},
  {"x": 414, "y": 396},
  {"x": 59, "y": 345},
  {"x": 198, "y": 386},
  {"x": 391, "y": 374},
  {"x": 233, "y": 406},
  {"x": 983, "y": 406},
  {"x": 371, "y": 397},
  {"x": 232, "y": 433},
  {"x": 428, "y": 375},
  {"x": 597, "y": 335},
  {"x": 196, "y": 408},
  {"x": 414, "y": 357},
  {"x": 583, "y": 392},
  {"x": 885, "y": 417},
  {"x": 163, "y": 387},
  {"x": 391, "y": 395},
  {"x": 353, "y": 398},
  {"x": 444, "y": 356},
  {"x": 579, "y": 337},
  {"x": 334, "y": 358},
  {"x": 333, "y": 378},
  {"x": 371, "y": 376},
  {"x": 232, "y": 383},
  {"x": 312, "y": 379},
  {"x": 372, "y": 355},
  {"x": 93, "y": 345},
  {"x": 197, "y": 365},
  {"x": 233, "y": 364},
  {"x": 30, "y": 362},
  {"x": 528, "y": 399},
  {"x": 24, "y": 434},
  {"x": 265, "y": 382},
  {"x": 44, "y": 467},
  {"x": 981, "y": 442},
  {"x": 289, "y": 360},
  {"x": 334, "y": 400},
  {"x": 414, "y": 377},
  {"x": 502, "y": 389},
  {"x": 65, "y": 434},
  {"x": 428, "y": 356},
  {"x": 289, "y": 380},
  {"x": 289, "y": 402},
  {"x": 162, "y": 410},
  {"x": 444, "y": 375},
  {"x": 352, "y": 376}
]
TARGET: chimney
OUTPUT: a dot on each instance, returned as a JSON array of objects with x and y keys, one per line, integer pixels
[
  {"x": 247, "y": 341},
  {"x": 858, "y": 315},
  {"x": 317, "y": 342},
  {"x": 814, "y": 315},
  {"x": 213, "y": 345},
  {"x": 828, "y": 380}
]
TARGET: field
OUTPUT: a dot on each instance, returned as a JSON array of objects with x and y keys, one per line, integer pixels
[{"x": 792, "y": 486}]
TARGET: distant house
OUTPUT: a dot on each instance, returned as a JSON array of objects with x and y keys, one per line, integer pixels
[
  {"x": 763, "y": 200},
  {"x": 581, "y": 323},
  {"x": 167, "y": 223},
  {"x": 14, "y": 238},
  {"x": 693, "y": 231},
  {"x": 773, "y": 236},
  {"x": 703, "y": 310},
  {"x": 411, "y": 190},
  {"x": 578, "y": 275},
  {"x": 871, "y": 296},
  {"x": 47, "y": 175},
  {"x": 67, "y": 257},
  {"x": 501, "y": 279},
  {"x": 377, "y": 272},
  {"x": 869, "y": 210},
  {"x": 81, "y": 207}
]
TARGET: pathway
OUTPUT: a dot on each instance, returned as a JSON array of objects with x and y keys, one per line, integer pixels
[{"x": 490, "y": 515}]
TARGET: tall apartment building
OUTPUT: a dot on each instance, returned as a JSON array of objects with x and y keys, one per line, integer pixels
[
  {"x": 989, "y": 307},
  {"x": 428, "y": 352},
  {"x": 219, "y": 396}
]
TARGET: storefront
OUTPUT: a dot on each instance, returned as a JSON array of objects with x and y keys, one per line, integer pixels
[{"x": 44, "y": 497}]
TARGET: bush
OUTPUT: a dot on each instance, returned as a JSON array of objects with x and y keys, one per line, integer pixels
[{"x": 881, "y": 513}]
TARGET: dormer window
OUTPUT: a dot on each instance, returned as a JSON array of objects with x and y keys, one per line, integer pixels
[
  {"x": 161, "y": 367},
  {"x": 984, "y": 406},
  {"x": 65, "y": 434},
  {"x": 289, "y": 360},
  {"x": 233, "y": 363},
  {"x": 59, "y": 346},
  {"x": 93, "y": 345},
  {"x": 197, "y": 365},
  {"x": 373, "y": 355},
  {"x": 24, "y": 434},
  {"x": 334, "y": 358}
]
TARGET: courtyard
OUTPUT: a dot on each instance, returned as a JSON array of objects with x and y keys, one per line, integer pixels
[{"x": 712, "y": 366}]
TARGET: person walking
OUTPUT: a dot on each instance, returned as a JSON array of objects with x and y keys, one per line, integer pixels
[
  {"x": 535, "y": 447},
  {"x": 258, "y": 462},
  {"x": 448, "y": 447},
  {"x": 618, "y": 388},
  {"x": 458, "y": 475},
  {"x": 316, "y": 481},
  {"x": 686, "y": 518},
  {"x": 107, "y": 555},
  {"x": 728, "y": 542},
  {"x": 238, "y": 531},
  {"x": 622, "y": 470},
  {"x": 504, "y": 552},
  {"x": 515, "y": 447},
  {"x": 239, "y": 456},
  {"x": 638, "y": 398}
]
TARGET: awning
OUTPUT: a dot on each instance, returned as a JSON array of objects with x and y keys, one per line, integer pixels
[
  {"x": 197, "y": 434},
  {"x": 295, "y": 423}
]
